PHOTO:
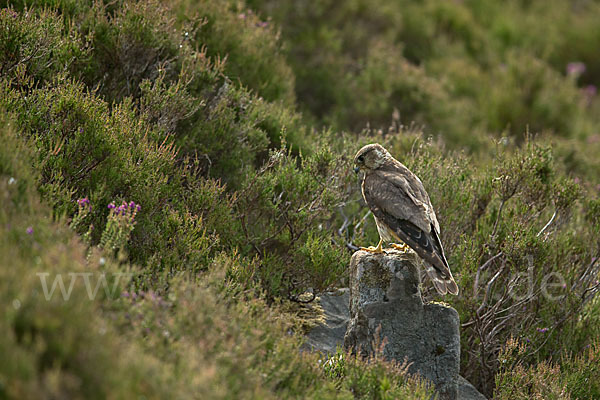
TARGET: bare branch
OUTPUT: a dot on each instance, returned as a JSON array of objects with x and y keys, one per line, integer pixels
[{"x": 547, "y": 224}]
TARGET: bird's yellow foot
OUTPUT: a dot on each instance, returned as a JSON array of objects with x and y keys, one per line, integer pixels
[
  {"x": 374, "y": 250},
  {"x": 402, "y": 247}
]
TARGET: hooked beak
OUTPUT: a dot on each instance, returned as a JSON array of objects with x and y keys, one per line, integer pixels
[{"x": 356, "y": 169}]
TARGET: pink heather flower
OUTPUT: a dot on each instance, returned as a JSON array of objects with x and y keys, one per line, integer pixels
[
  {"x": 111, "y": 206},
  {"x": 542, "y": 330},
  {"x": 592, "y": 139},
  {"x": 138, "y": 207},
  {"x": 575, "y": 69},
  {"x": 29, "y": 230},
  {"x": 589, "y": 92}
]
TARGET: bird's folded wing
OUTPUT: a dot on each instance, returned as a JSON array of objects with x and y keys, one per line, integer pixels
[
  {"x": 393, "y": 194},
  {"x": 409, "y": 183},
  {"x": 392, "y": 204}
]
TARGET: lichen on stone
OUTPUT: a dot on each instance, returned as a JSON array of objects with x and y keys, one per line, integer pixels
[{"x": 376, "y": 275}]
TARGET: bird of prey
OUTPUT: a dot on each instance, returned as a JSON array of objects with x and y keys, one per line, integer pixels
[{"x": 403, "y": 212}]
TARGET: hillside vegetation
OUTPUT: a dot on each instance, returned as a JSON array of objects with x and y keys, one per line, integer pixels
[{"x": 197, "y": 156}]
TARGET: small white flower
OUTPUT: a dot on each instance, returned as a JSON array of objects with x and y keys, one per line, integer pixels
[
  {"x": 11, "y": 180},
  {"x": 102, "y": 261},
  {"x": 16, "y": 304}
]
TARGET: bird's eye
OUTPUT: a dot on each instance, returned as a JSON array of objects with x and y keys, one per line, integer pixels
[{"x": 361, "y": 158}]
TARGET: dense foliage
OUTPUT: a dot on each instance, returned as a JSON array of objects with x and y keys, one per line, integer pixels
[{"x": 201, "y": 151}]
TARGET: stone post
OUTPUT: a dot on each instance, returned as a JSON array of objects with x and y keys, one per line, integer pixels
[{"x": 384, "y": 292}]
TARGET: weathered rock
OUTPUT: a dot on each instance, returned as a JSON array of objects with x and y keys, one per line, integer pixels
[
  {"x": 466, "y": 391},
  {"x": 328, "y": 336},
  {"x": 385, "y": 300}
]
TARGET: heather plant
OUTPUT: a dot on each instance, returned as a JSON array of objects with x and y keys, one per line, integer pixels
[
  {"x": 83, "y": 210},
  {"x": 249, "y": 47},
  {"x": 107, "y": 153},
  {"x": 480, "y": 66},
  {"x": 394, "y": 90},
  {"x": 209, "y": 337},
  {"x": 568, "y": 377},
  {"x": 58, "y": 343},
  {"x": 35, "y": 46},
  {"x": 374, "y": 381},
  {"x": 285, "y": 217},
  {"x": 119, "y": 225},
  {"x": 78, "y": 222},
  {"x": 522, "y": 269},
  {"x": 192, "y": 109},
  {"x": 516, "y": 381}
]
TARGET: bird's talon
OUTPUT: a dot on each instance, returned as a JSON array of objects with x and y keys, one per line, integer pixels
[
  {"x": 374, "y": 250},
  {"x": 401, "y": 247}
]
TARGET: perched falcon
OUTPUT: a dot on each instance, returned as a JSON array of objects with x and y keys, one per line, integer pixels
[{"x": 403, "y": 212}]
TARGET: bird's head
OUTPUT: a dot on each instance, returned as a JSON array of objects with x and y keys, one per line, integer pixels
[{"x": 370, "y": 157}]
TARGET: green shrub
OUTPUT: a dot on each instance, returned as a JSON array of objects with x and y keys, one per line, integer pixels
[
  {"x": 206, "y": 337},
  {"x": 249, "y": 47},
  {"x": 52, "y": 346},
  {"x": 188, "y": 109},
  {"x": 35, "y": 46},
  {"x": 380, "y": 380},
  {"x": 573, "y": 377},
  {"x": 527, "y": 93},
  {"x": 476, "y": 66},
  {"x": 389, "y": 89},
  {"x": 285, "y": 213},
  {"x": 508, "y": 225},
  {"x": 85, "y": 150},
  {"x": 127, "y": 153},
  {"x": 519, "y": 382}
]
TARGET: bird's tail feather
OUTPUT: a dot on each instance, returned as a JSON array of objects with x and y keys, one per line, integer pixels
[
  {"x": 451, "y": 286},
  {"x": 442, "y": 283}
]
